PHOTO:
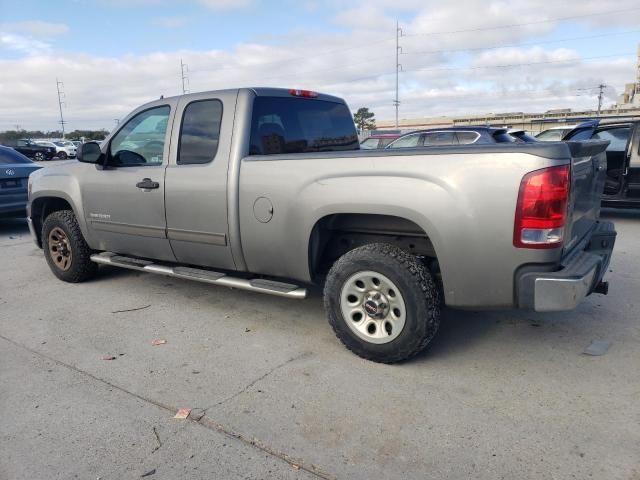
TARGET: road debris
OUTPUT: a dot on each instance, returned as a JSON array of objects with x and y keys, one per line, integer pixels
[
  {"x": 597, "y": 348},
  {"x": 158, "y": 341},
  {"x": 148, "y": 474},
  {"x": 182, "y": 413},
  {"x": 131, "y": 309},
  {"x": 197, "y": 414},
  {"x": 108, "y": 357},
  {"x": 157, "y": 439}
]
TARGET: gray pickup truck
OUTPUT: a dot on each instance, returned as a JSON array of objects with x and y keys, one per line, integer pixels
[{"x": 266, "y": 190}]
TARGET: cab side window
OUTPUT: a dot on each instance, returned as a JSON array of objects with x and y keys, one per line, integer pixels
[
  {"x": 141, "y": 141},
  {"x": 200, "y": 132}
]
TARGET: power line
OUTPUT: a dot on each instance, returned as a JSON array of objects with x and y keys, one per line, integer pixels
[
  {"x": 419, "y": 69},
  {"x": 515, "y": 45},
  {"x": 60, "y": 88},
  {"x": 513, "y": 25}
]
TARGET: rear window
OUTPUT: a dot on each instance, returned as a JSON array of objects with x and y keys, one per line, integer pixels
[
  {"x": 8, "y": 156},
  {"x": 296, "y": 125}
]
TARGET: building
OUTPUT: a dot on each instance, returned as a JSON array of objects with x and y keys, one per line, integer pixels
[{"x": 630, "y": 98}]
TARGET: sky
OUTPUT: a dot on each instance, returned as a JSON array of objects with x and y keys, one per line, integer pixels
[{"x": 462, "y": 57}]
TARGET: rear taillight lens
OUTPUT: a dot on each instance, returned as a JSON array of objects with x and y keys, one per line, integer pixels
[{"x": 541, "y": 211}]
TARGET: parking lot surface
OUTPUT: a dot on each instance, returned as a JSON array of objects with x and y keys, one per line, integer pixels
[{"x": 275, "y": 395}]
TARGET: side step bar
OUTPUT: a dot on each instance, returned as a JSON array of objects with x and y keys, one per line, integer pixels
[{"x": 200, "y": 275}]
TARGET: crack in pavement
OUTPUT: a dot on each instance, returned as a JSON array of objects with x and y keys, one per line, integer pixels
[
  {"x": 261, "y": 377},
  {"x": 203, "y": 421}
]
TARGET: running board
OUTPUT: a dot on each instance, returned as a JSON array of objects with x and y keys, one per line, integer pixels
[{"x": 271, "y": 287}]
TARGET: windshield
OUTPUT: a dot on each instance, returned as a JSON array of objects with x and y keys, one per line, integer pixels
[{"x": 554, "y": 135}]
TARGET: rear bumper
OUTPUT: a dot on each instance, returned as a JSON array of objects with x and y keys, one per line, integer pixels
[{"x": 579, "y": 275}]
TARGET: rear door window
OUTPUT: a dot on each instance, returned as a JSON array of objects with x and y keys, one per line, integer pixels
[
  {"x": 440, "y": 138},
  {"x": 408, "y": 141},
  {"x": 465, "y": 138},
  {"x": 200, "y": 132},
  {"x": 297, "y": 125}
]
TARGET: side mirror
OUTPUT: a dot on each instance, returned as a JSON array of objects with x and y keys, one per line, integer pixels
[{"x": 89, "y": 153}]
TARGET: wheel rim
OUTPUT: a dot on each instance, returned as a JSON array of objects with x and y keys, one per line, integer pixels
[
  {"x": 39, "y": 156},
  {"x": 373, "y": 307},
  {"x": 60, "y": 249},
  {"x": 62, "y": 155}
]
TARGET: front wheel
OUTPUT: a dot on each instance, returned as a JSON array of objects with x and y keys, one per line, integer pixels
[
  {"x": 382, "y": 303},
  {"x": 62, "y": 155},
  {"x": 39, "y": 157},
  {"x": 65, "y": 249}
]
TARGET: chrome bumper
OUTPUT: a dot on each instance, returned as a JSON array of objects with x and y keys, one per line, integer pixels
[{"x": 579, "y": 276}]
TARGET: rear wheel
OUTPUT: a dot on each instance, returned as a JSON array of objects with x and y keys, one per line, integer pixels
[
  {"x": 382, "y": 303},
  {"x": 65, "y": 248}
]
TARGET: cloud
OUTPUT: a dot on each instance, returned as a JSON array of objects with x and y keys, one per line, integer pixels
[
  {"x": 36, "y": 28},
  {"x": 356, "y": 61},
  {"x": 23, "y": 44}
]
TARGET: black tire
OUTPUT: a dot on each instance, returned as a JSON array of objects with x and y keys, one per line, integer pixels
[
  {"x": 62, "y": 155},
  {"x": 416, "y": 285},
  {"x": 81, "y": 267},
  {"x": 39, "y": 157}
]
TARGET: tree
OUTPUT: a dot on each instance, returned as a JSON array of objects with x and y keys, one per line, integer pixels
[{"x": 364, "y": 119}]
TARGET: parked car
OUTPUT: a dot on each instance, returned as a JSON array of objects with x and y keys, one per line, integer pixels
[
  {"x": 268, "y": 190},
  {"x": 14, "y": 173},
  {"x": 64, "y": 149},
  {"x": 373, "y": 142},
  {"x": 31, "y": 149},
  {"x": 452, "y": 136},
  {"x": 555, "y": 134},
  {"x": 622, "y": 186},
  {"x": 76, "y": 143},
  {"x": 522, "y": 136}
]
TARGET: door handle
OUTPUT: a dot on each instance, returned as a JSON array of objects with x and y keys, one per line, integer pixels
[{"x": 147, "y": 184}]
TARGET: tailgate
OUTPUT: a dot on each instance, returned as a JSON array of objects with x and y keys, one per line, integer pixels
[{"x": 588, "y": 174}]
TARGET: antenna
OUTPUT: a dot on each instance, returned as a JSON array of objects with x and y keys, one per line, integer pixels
[
  {"x": 396, "y": 100},
  {"x": 61, "y": 96},
  {"x": 184, "y": 75}
]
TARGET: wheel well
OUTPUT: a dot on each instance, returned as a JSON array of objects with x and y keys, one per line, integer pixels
[
  {"x": 41, "y": 208},
  {"x": 334, "y": 235}
]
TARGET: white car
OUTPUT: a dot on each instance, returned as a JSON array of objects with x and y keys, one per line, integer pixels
[{"x": 64, "y": 148}]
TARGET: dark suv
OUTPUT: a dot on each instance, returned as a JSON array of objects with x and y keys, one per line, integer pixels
[{"x": 452, "y": 136}]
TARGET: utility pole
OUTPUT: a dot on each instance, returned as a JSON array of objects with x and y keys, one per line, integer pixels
[
  {"x": 184, "y": 75},
  {"x": 60, "y": 87},
  {"x": 601, "y": 88},
  {"x": 396, "y": 101}
]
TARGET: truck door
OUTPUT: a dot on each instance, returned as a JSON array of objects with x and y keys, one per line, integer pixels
[
  {"x": 124, "y": 202},
  {"x": 633, "y": 170},
  {"x": 618, "y": 137},
  {"x": 196, "y": 180}
]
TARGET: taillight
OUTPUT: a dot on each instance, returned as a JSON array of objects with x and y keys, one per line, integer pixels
[
  {"x": 303, "y": 93},
  {"x": 541, "y": 211}
]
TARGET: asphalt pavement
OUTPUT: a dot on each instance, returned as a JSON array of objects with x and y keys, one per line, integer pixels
[{"x": 500, "y": 395}]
